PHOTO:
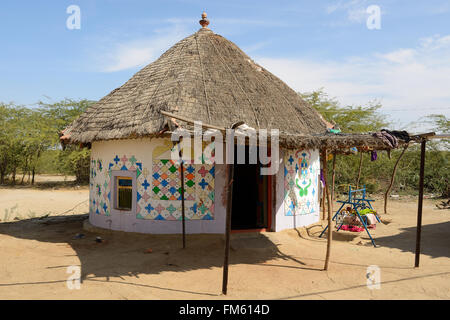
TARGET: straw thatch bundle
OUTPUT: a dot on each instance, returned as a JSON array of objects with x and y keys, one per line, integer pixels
[{"x": 205, "y": 77}]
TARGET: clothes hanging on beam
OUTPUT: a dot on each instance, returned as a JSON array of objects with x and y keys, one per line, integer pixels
[
  {"x": 387, "y": 138},
  {"x": 403, "y": 135}
]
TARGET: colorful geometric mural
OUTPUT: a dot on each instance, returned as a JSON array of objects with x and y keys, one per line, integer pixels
[
  {"x": 301, "y": 180},
  {"x": 164, "y": 192},
  {"x": 167, "y": 182},
  {"x": 158, "y": 191},
  {"x": 99, "y": 191}
]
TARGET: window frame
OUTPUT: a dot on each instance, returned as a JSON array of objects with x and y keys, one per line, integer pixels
[
  {"x": 114, "y": 189},
  {"x": 118, "y": 188}
]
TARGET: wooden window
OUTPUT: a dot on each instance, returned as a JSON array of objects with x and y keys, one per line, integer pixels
[{"x": 124, "y": 193}]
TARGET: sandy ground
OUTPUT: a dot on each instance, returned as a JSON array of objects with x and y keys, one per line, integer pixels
[
  {"x": 36, "y": 253},
  {"x": 50, "y": 196}
]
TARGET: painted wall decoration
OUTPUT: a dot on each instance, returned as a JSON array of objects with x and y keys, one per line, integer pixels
[
  {"x": 98, "y": 191},
  {"x": 164, "y": 188},
  {"x": 158, "y": 186},
  {"x": 301, "y": 180}
]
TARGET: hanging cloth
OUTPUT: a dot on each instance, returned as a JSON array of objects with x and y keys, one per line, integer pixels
[
  {"x": 373, "y": 155},
  {"x": 387, "y": 138}
]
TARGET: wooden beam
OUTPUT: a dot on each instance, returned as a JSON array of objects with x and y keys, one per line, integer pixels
[
  {"x": 175, "y": 116},
  {"x": 420, "y": 205},
  {"x": 424, "y": 135},
  {"x": 440, "y": 136}
]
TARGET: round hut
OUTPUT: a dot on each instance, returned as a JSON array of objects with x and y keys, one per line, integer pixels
[{"x": 135, "y": 185}]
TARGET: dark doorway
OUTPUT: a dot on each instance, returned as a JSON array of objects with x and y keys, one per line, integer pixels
[{"x": 250, "y": 197}]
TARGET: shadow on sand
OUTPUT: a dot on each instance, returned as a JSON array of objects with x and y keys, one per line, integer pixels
[
  {"x": 121, "y": 254},
  {"x": 435, "y": 240}
]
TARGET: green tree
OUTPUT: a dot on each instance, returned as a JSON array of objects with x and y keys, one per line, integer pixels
[
  {"x": 376, "y": 174},
  {"x": 5, "y": 132},
  {"x": 72, "y": 159},
  {"x": 28, "y": 133},
  {"x": 350, "y": 118}
]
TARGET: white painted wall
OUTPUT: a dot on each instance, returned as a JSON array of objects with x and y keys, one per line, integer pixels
[
  {"x": 283, "y": 221},
  {"x": 142, "y": 149}
]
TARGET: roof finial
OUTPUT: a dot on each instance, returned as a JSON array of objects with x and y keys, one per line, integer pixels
[{"x": 204, "y": 22}]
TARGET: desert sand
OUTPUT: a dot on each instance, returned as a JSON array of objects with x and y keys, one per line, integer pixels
[{"x": 36, "y": 253}]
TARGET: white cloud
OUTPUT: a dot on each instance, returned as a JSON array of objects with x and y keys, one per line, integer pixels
[
  {"x": 117, "y": 55},
  {"x": 343, "y": 5},
  {"x": 400, "y": 55},
  {"x": 357, "y": 15},
  {"x": 255, "y": 46},
  {"x": 439, "y": 9},
  {"x": 350, "y": 12},
  {"x": 122, "y": 55},
  {"x": 413, "y": 80},
  {"x": 125, "y": 58}
]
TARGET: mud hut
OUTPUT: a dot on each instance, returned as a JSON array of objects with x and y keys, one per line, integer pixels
[{"x": 135, "y": 185}]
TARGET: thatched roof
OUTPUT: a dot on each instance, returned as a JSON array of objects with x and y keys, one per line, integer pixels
[{"x": 205, "y": 77}]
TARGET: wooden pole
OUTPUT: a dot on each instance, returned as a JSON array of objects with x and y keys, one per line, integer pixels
[
  {"x": 333, "y": 176},
  {"x": 324, "y": 160},
  {"x": 386, "y": 195},
  {"x": 230, "y": 168},
  {"x": 323, "y": 204},
  {"x": 420, "y": 205},
  {"x": 183, "y": 217},
  {"x": 330, "y": 228},
  {"x": 178, "y": 117},
  {"x": 359, "y": 170}
]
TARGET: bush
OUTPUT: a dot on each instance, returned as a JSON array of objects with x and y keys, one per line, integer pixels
[{"x": 75, "y": 161}]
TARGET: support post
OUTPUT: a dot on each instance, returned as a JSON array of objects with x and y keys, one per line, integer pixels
[
  {"x": 323, "y": 204},
  {"x": 359, "y": 170},
  {"x": 330, "y": 227},
  {"x": 420, "y": 205},
  {"x": 183, "y": 217},
  {"x": 333, "y": 176},
  {"x": 386, "y": 195},
  {"x": 229, "y": 188},
  {"x": 230, "y": 168},
  {"x": 324, "y": 160}
]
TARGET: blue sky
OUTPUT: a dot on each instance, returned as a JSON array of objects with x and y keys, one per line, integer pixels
[{"x": 308, "y": 44}]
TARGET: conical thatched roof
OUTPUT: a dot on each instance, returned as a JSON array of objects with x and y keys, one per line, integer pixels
[{"x": 205, "y": 77}]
